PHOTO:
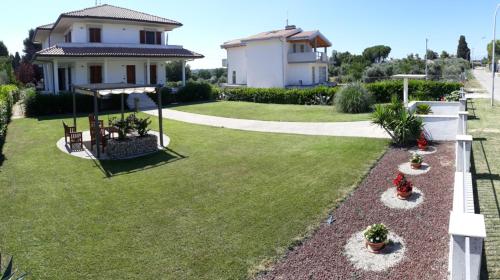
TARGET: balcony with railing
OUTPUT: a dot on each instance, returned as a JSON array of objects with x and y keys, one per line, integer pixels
[{"x": 307, "y": 57}]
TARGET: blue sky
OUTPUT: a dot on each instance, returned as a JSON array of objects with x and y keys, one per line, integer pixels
[{"x": 350, "y": 25}]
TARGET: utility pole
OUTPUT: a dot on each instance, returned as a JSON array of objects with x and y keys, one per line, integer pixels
[
  {"x": 493, "y": 62},
  {"x": 426, "y": 66}
]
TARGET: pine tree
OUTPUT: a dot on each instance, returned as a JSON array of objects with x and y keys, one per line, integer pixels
[
  {"x": 16, "y": 61},
  {"x": 463, "y": 50},
  {"x": 3, "y": 49}
]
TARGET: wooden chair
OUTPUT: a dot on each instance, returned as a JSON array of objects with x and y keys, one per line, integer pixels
[
  {"x": 92, "y": 122},
  {"x": 75, "y": 137},
  {"x": 103, "y": 137}
]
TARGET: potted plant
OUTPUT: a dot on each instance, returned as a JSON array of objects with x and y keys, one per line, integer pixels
[
  {"x": 422, "y": 142},
  {"x": 376, "y": 237},
  {"x": 404, "y": 188},
  {"x": 416, "y": 161}
]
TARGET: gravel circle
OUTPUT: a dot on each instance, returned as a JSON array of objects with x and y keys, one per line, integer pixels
[
  {"x": 406, "y": 169},
  {"x": 430, "y": 150},
  {"x": 362, "y": 258},
  {"x": 390, "y": 199},
  {"x": 424, "y": 228}
]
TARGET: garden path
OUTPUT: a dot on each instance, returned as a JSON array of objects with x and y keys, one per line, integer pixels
[{"x": 348, "y": 129}]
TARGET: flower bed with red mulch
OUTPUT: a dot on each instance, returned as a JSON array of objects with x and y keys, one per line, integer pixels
[{"x": 424, "y": 228}]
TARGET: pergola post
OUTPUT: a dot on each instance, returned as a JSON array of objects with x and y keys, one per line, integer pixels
[
  {"x": 122, "y": 106},
  {"x": 183, "y": 73},
  {"x": 405, "y": 92},
  {"x": 97, "y": 129},
  {"x": 74, "y": 105},
  {"x": 160, "y": 115}
]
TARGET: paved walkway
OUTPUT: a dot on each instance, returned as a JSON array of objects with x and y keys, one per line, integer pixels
[
  {"x": 484, "y": 78},
  {"x": 352, "y": 129}
]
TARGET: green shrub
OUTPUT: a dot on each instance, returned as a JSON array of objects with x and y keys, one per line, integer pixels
[
  {"x": 418, "y": 89},
  {"x": 37, "y": 104},
  {"x": 353, "y": 98},
  {"x": 8, "y": 95},
  {"x": 196, "y": 91},
  {"x": 167, "y": 97},
  {"x": 453, "y": 96},
  {"x": 423, "y": 109},
  {"x": 316, "y": 95},
  {"x": 402, "y": 126}
]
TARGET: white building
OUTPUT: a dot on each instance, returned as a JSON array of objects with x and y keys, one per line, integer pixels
[
  {"x": 280, "y": 58},
  {"x": 106, "y": 44}
]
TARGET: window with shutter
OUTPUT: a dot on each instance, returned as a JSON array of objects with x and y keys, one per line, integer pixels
[
  {"x": 142, "y": 35},
  {"x": 158, "y": 38},
  {"x": 94, "y": 35}
]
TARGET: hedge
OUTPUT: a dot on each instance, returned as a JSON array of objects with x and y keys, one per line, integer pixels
[
  {"x": 418, "y": 89},
  {"x": 37, "y": 104},
  {"x": 8, "y": 96},
  {"x": 316, "y": 95},
  {"x": 192, "y": 92}
]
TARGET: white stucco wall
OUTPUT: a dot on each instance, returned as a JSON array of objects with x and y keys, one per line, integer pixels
[
  {"x": 236, "y": 58},
  {"x": 111, "y": 33},
  {"x": 265, "y": 63}
]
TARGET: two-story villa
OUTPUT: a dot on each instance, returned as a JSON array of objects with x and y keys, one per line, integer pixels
[
  {"x": 280, "y": 58},
  {"x": 106, "y": 44}
]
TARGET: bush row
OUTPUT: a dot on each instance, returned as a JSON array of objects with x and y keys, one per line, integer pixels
[
  {"x": 37, "y": 104},
  {"x": 8, "y": 96},
  {"x": 316, "y": 95},
  {"x": 418, "y": 89},
  {"x": 192, "y": 92}
]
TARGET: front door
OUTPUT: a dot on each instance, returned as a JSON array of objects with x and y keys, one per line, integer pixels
[
  {"x": 322, "y": 74},
  {"x": 130, "y": 74},
  {"x": 152, "y": 71},
  {"x": 62, "y": 78}
]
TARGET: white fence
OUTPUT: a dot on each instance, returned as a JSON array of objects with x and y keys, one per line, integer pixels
[{"x": 467, "y": 229}]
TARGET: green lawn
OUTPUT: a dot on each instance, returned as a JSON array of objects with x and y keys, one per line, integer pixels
[
  {"x": 271, "y": 112},
  {"x": 213, "y": 207},
  {"x": 486, "y": 150}
]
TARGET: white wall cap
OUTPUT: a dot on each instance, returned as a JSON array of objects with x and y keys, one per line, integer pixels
[
  {"x": 464, "y": 137},
  {"x": 466, "y": 224}
]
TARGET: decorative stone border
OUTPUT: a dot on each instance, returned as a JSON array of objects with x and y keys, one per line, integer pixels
[
  {"x": 86, "y": 153},
  {"x": 406, "y": 169},
  {"x": 430, "y": 150},
  {"x": 390, "y": 199},
  {"x": 357, "y": 253}
]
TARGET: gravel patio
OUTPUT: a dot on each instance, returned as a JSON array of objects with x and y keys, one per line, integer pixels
[{"x": 424, "y": 228}]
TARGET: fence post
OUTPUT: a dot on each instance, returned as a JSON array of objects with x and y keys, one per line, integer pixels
[
  {"x": 462, "y": 122},
  {"x": 463, "y": 104},
  {"x": 467, "y": 232},
  {"x": 459, "y": 148}
]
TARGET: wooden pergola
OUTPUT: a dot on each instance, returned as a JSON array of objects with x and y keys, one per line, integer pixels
[{"x": 99, "y": 90}]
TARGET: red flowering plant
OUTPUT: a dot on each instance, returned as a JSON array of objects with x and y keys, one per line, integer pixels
[
  {"x": 421, "y": 141},
  {"x": 402, "y": 184}
]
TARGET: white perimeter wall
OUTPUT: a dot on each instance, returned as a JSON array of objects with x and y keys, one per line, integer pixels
[
  {"x": 266, "y": 63},
  {"x": 236, "y": 58}
]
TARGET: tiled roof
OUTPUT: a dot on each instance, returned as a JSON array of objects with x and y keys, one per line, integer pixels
[
  {"x": 282, "y": 33},
  {"x": 113, "y": 12},
  {"x": 64, "y": 51},
  {"x": 46, "y": 26},
  {"x": 304, "y": 35}
]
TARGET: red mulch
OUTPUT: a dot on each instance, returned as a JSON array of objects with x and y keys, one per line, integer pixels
[{"x": 424, "y": 228}]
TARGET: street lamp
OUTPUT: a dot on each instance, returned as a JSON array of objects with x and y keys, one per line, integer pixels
[{"x": 493, "y": 64}]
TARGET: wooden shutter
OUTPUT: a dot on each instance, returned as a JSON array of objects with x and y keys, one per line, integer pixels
[
  {"x": 142, "y": 35},
  {"x": 152, "y": 74},
  {"x": 158, "y": 38}
]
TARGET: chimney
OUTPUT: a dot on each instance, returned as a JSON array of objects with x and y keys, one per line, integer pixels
[{"x": 290, "y": 27}]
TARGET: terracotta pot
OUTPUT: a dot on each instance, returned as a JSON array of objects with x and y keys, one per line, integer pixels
[
  {"x": 375, "y": 247},
  {"x": 404, "y": 195},
  {"x": 422, "y": 147},
  {"x": 416, "y": 165}
]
